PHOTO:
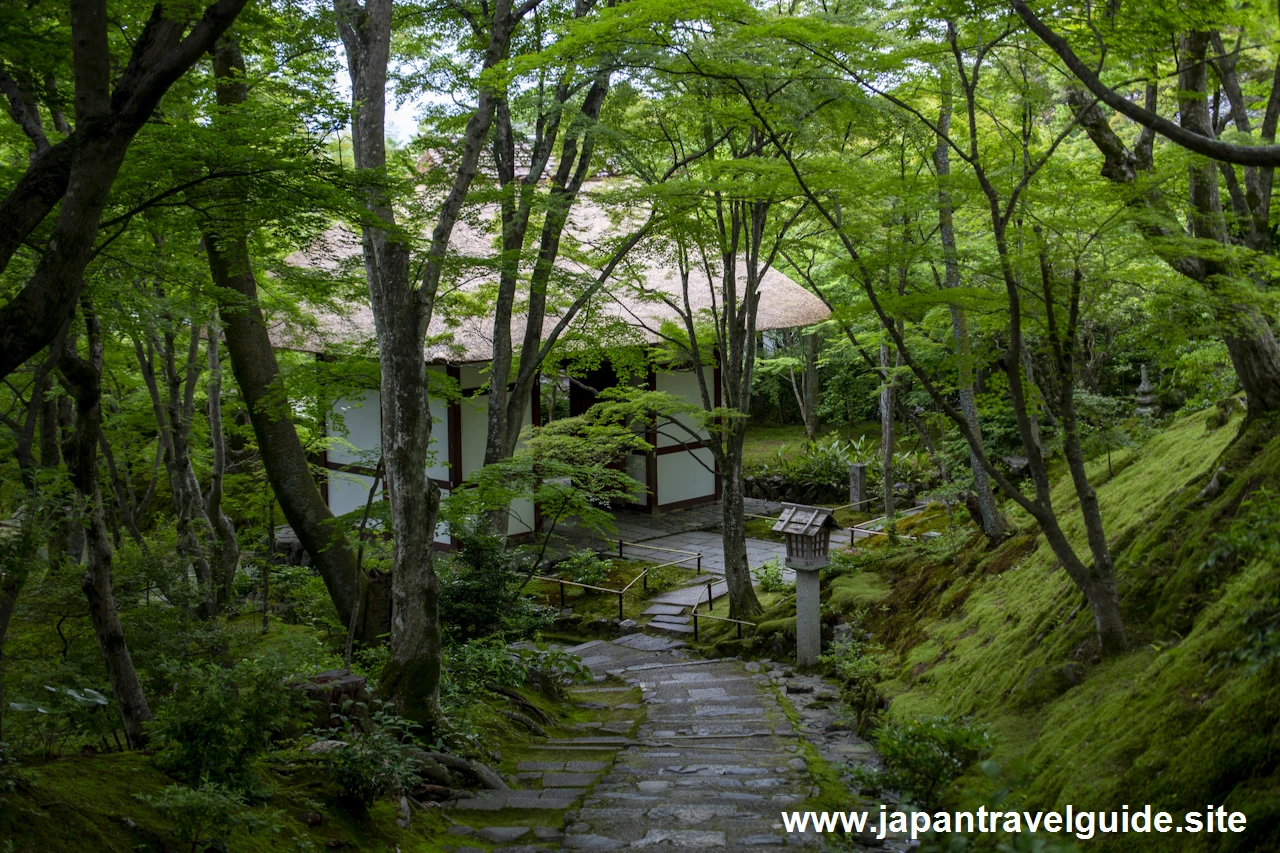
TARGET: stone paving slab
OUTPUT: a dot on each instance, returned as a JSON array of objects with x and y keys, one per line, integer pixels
[{"x": 646, "y": 642}]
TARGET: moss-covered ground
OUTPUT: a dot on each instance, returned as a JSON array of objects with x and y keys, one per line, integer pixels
[{"x": 1002, "y": 636}]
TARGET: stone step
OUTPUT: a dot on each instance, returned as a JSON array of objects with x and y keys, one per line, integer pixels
[
  {"x": 665, "y": 619},
  {"x": 665, "y": 610},
  {"x": 671, "y": 627}
]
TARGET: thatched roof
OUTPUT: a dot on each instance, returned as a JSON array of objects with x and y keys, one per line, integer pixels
[{"x": 628, "y": 308}]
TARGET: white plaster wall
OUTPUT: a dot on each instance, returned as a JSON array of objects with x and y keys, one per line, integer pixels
[
  {"x": 637, "y": 469},
  {"x": 683, "y": 384},
  {"x": 475, "y": 425},
  {"x": 681, "y": 478},
  {"x": 363, "y": 419},
  {"x": 348, "y": 492}
]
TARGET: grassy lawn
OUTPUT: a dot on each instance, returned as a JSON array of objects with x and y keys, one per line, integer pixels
[{"x": 765, "y": 440}]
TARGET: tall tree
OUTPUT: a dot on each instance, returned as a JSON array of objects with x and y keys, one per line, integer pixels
[
  {"x": 82, "y": 376},
  {"x": 402, "y": 310},
  {"x": 257, "y": 370},
  {"x": 76, "y": 174}
]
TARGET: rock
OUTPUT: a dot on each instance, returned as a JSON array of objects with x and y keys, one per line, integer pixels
[
  {"x": 1045, "y": 683},
  {"x": 311, "y": 818},
  {"x": 798, "y": 764},
  {"x": 325, "y": 746},
  {"x": 842, "y": 632},
  {"x": 752, "y": 666},
  {"x": 459, "y": 829},
  {"x": 681, "y": 838},
  {"x": 329, "y": 690},
  {"x": 793, "y": 689},
  {"x": 628, "y": 626},
  {"x": 502, "y": 834},
  {"x": 587, "y": 841},
  {"x": 547, "y": 833}
]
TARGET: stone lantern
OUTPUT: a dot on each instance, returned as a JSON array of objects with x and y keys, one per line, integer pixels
[
  {"x": 1148, "y": 401},
  {"x": 808, "y": 533}
]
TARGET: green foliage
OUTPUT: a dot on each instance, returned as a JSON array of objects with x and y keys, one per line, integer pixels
[
  {"x": 769, "y": 576},
  {"x": 62, "y": 714},
  {"x": 856, "y": 664},
  {"x": 202, "y": 818},
  {"x": 923, "y": 756},
  {"x": 584, "y": 567},
  {"x": 562, "y": 668},
  {"x": 822, "y": 464},
  {"x": 481, "y": 586},
  {"x": 373, "y": 760},
  {"x": 12, "y": 774},
  {"x": 218, "y": 722}
]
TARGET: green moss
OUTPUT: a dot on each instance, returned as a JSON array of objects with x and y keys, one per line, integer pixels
[
  {"x": 850, "y": 592},
  {"x": 89, "y": 804},
  {"x": 986, "y": 633}
]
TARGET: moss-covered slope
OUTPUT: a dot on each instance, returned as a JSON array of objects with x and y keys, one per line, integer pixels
[{"x": 1179, "y": 721}]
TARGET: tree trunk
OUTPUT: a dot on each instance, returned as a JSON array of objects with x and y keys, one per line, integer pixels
[
  {"x": 402, "y": 315},
  {"x": 886, "y": 430},
  {"x": 79, "y": 171},
  {"x": 993, "y": 522},
  {"x": 257, "y": 373},
  {"x": 226, "y": 550},
  {"x": 743, "y": 603},
  {"x": 1250, "y": 340},
  {"x": 84, "y": 380},
  {"x": 8, "y": 603}
]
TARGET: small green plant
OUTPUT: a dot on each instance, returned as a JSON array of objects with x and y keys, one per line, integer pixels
[
  {"x": 770, "y": 577},
  {"x": 218, "y": 722},
  {"x": 923, "y": 756},
  {"x": 858, "y": 668},
  {"x": 204, "y": 817},
  {"x": 585, "y": 567},
  {"x": 372, "y": 761},
  {"x": 65, "y": 713},
  {"x": 562, "y": 668},
  {"x": 12, "y": 774}
]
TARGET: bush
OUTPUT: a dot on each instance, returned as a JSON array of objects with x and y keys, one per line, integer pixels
[
  {"x": 372, "y": 761},
  {"x": 770, "y": 577},
  {"x": 923, "y": 756},
  {"x": 203, "y": 818},
  {"x": 218, "y": 722},
  {"x": 480, "y": 587},
  {"x": 584, "y": 567},
  {"x": 12, "y": 774},
  {"x": 823, "y": 464}
]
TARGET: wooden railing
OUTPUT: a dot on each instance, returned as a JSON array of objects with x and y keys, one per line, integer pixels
[{"x": 642, "y": 578}]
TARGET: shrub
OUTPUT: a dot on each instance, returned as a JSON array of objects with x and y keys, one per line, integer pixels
[
  {"x": 204, "y": 817},
  {"x": 770, "y": 577},
  {"x": 218, "y": 722},
  {"x": 480, "y": 587},
  {"x": 923, "y": 756},
  {"x": 560, "y": 668},
  {"x": 12, "y": 774},
  {"x": 584, "y": 567},
  {"x": 66, "y": 713},
  {"x": 372, "y": 761}
]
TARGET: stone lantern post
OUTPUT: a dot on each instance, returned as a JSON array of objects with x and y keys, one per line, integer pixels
[{"x": 808, "y": 535}]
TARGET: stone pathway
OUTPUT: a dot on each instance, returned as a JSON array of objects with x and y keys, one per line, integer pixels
[{"x": 687, "y": 753}]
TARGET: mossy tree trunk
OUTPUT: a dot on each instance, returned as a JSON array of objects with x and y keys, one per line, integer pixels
[
  {"x": 83, "y": 379},
  {"x": 402, "y": 311}
]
